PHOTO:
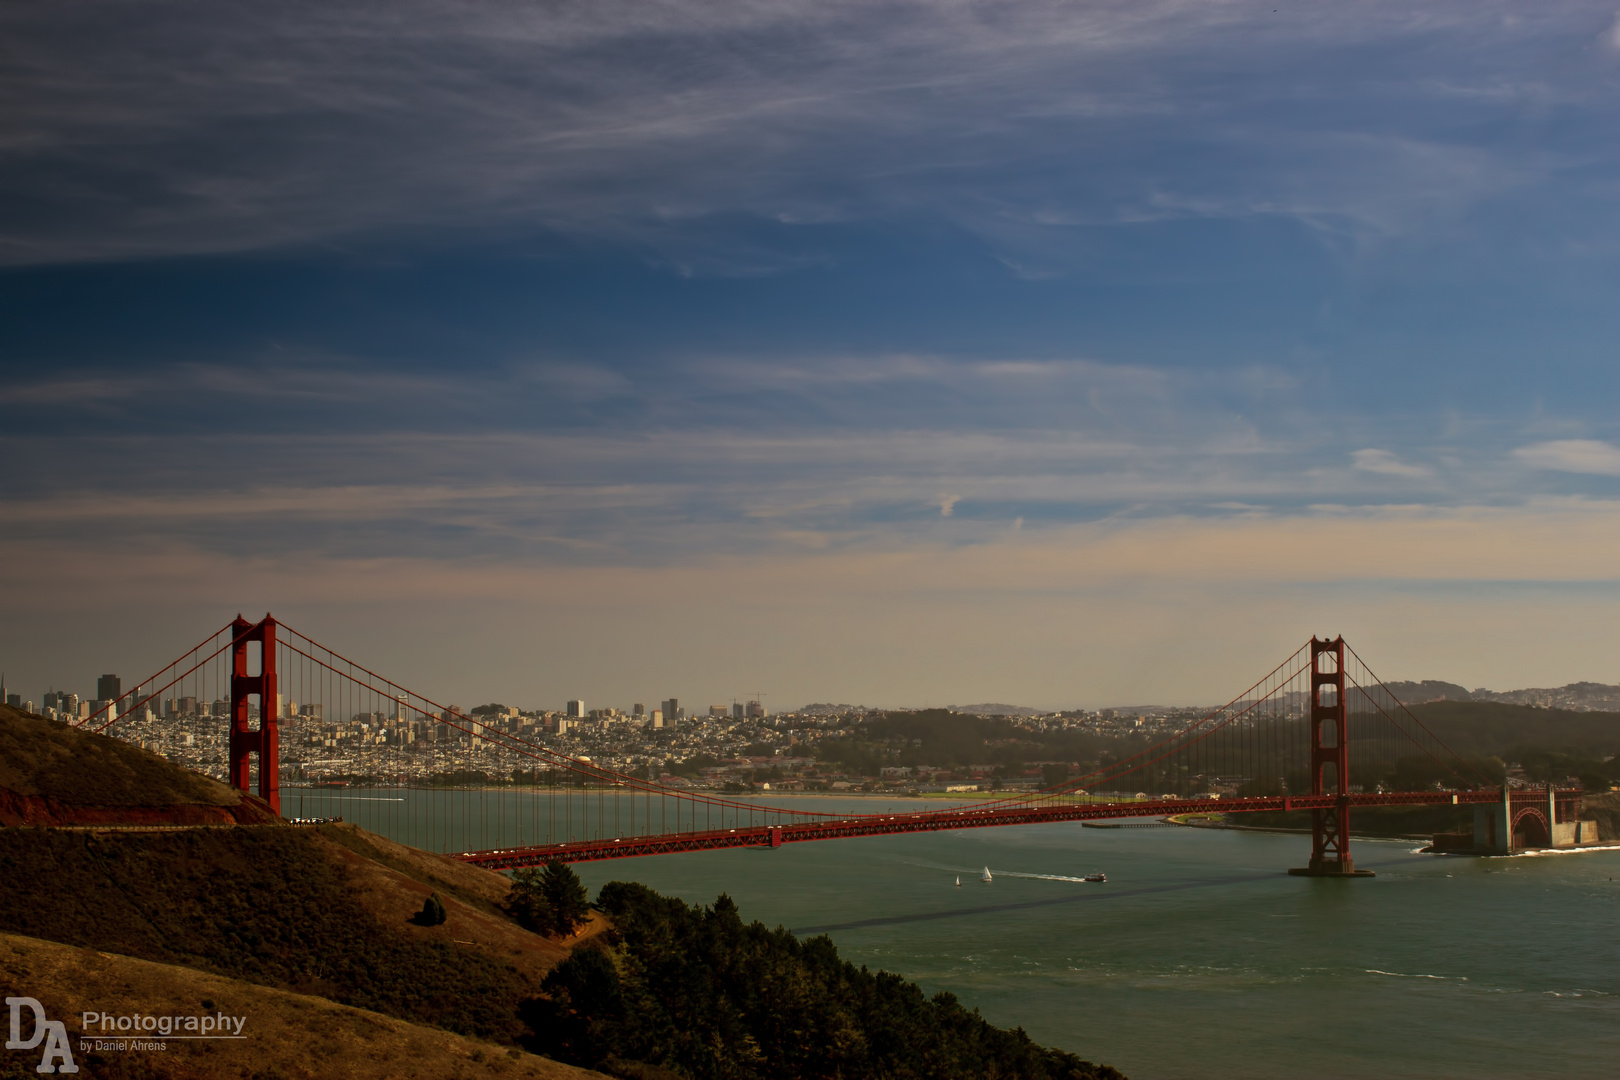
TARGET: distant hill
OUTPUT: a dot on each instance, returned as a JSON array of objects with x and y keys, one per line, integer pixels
[
  {"x": 1574, "y": 697},
  {"x": 1489, "y": 728},
  {"x": 1416, "y": 693},
  {"x": 52, "y": 774},
  {"x": 1579, "y": 697},
  {"x": 997, "y": 710}
]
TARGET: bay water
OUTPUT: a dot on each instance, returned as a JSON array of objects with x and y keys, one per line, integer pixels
[{"x": 1200, "y": 956}]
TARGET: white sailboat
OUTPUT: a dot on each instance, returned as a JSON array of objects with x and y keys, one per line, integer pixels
[
  {"x": 958, "y": 881},
  {"x": 985, "y": 877}
]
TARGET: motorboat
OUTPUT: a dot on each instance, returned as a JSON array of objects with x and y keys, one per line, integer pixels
[{"x": 1098, "y": 876}]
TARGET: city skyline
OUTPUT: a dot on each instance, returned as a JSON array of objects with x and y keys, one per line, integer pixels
[{"x": 909, "y": 354}]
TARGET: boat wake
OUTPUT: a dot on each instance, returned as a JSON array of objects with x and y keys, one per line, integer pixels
[{"x": 998, "y": 873}]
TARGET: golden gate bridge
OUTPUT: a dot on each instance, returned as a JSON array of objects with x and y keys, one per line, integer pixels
[{"x": 1319, "y": 733}]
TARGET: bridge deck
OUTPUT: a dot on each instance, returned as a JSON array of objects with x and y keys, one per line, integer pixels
[{"x": 966, "y": 817}]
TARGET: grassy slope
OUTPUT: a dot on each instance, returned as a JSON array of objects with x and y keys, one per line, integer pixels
[
  {"x": 51, "y": 774},
  {"x": 50, "y": 760},
  {"x": 293, "y": 908},
  {"x": 290, "y": 1035}
]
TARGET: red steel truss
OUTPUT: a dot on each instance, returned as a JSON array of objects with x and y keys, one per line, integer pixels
[{"x": 936, "y": 821}]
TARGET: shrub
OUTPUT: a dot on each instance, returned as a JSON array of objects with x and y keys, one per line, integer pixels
[{"x": 432, "y": 913}]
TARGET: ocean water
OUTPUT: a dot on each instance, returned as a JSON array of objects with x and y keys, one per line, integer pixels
[{"x": 1200, "y": 957}]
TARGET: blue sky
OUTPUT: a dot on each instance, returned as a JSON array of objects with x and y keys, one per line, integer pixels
[{"x": 904, "y": 353}]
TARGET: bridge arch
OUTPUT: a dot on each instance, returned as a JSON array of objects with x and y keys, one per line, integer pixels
[{"x": 1530, "y": 828}]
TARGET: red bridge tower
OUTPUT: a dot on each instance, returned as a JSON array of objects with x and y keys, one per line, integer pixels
[
  {"x": 265, "y": 741},
  {"x": 1330, "y": 745}
]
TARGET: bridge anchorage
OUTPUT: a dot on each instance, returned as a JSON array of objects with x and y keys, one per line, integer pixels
[{"x": 493, "y": 787}]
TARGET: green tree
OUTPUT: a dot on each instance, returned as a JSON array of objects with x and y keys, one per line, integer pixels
[
  {"x": 550, "y": 900},
  {"x": 697, "y": 992}
]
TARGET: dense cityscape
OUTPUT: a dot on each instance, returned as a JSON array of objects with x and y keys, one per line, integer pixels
[{"x": 735, "y": 748}]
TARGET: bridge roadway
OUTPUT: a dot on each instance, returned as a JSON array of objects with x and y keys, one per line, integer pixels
[{"x": 965, "y": 817}]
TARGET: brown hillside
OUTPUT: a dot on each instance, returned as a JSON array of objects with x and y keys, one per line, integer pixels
[
  {"x": 52, "y": 774},
  {"x": 391, "y": 881},
  {"x": 299, "y": 908},
  {"x": 289, "y": 1036}
]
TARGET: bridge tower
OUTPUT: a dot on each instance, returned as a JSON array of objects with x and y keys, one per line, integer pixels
[
  {"x": 1330, "y": 745},
  {"x": 265, "y": 740}
]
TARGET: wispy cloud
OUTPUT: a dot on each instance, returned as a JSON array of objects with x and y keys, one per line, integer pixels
[
  {"x": 1589, "y": 456},
  {"x": 653, "y": 468},
  {"x": 178, "y": 128},
  {"x": 1387, "y": 464}
]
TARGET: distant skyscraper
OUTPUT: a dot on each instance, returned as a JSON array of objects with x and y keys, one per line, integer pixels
[
  {"x": 108, "y": 688},
  {"x": 576, "y": 709},
  {"x": 736, "y": 710},
  {"x": 640, "y": 710},
  {"x": 672, "y": 710},
  {"x": 657, "y": 718}
]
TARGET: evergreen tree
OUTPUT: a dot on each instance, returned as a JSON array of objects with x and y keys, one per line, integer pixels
[
  {"x": 526, "y": 902},
  {"x": 697, "y": 992},
  {"x": 550, "y": 901},
  {"x": 566, "y": 897}
]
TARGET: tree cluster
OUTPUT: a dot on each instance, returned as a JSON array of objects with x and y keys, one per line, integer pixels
[
  {"x": 699, "y": 993},
  {"x": 550, "y": 900}
]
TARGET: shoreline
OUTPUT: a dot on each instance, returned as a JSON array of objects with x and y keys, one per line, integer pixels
[{"x": 1207, "y": 824}]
